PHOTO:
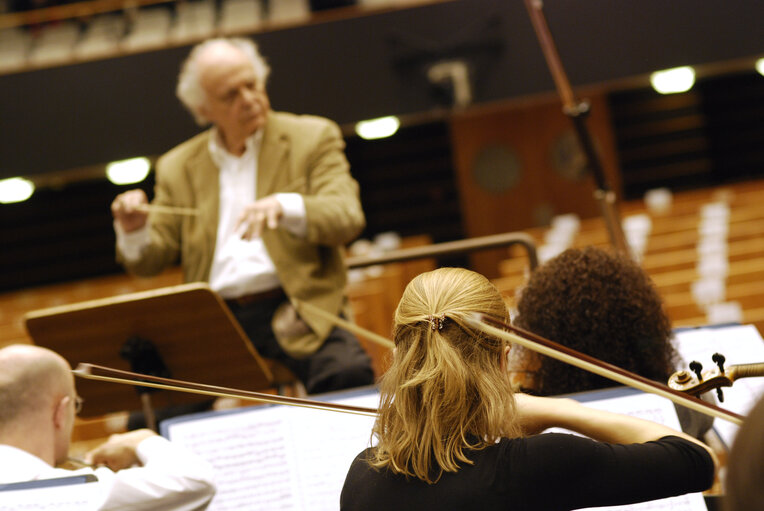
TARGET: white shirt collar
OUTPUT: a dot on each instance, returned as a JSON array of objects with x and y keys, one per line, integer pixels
[
  {"x": 20, "y": 465},
  {"x": 219, "y": 152}
]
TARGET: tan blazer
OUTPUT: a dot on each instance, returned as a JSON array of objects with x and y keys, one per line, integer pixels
[{"x": 301, "y": 154}]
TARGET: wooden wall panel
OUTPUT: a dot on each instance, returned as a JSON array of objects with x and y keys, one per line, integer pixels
[{"x": 543, "y": 175}]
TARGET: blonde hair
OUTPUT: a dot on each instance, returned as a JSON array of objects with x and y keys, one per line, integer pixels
[{"x": 447, "y": 389}]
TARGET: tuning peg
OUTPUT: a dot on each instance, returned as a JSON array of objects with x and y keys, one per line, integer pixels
[
  {"x": 719, "y": 394},
  {"x": 719, "y": 359},
  {"x": 696, "y": 368}
]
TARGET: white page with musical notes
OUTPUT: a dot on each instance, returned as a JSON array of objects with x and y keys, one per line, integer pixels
[
  {"x": 277, "y": 457},
  {"x": 740, "y": 344},
  {"x": 635, "y": 403},
  {"x": 75, "y": 493}
]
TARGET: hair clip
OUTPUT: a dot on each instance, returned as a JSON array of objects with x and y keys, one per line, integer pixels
[{"x": 436, "y": 321}]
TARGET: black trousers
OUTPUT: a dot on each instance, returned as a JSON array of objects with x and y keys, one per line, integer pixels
[{"x": 340, "y": 363}]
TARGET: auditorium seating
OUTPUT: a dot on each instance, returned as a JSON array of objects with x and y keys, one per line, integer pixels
[
  {"x": 101, "y": 29},
  {"x": 671, "y": 257},
  {"x": 706, "y": 255}
]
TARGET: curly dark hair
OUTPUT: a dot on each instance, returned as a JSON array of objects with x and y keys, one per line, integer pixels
[{"x": 600, "y": 304}]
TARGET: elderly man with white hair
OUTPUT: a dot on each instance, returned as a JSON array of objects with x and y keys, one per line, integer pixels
[
  {"x": 138, "y": 470},
  {"x": 275, "y": 201}
]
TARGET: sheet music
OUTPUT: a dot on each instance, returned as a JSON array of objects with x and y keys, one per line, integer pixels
[
  {"x": 740, "y": 344},
  {"x": 278, "y": 457},
  {"x": 653, "y": 408},
  {"x": 59, "y": 496},
  {"x": 325, "y": 450},
  {"x": 243, "y": 450},
  {"x": 645, "y": 406}
]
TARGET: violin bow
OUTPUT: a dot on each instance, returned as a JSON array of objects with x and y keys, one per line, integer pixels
[
  {"x": 101, "y": 373},
  {"x": 342, "y": 323},
  {"x": 558, "y": 351},
  {"x": 577, "y": 112},
  {"x": 481, "y": 322},
  {"x": 562, "y": 353}
]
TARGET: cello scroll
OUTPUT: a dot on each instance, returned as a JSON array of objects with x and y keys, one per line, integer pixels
[{"x": 713, "y": 379}]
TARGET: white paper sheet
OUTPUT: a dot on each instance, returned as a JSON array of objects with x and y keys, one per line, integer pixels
[
  {"x": 278, "y": 457},
  {"x": 60, "y": 494},
  {"x": 740, "y": 344}
]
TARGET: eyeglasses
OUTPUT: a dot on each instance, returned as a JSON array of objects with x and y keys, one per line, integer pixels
[{"x": 78, "y": 402}]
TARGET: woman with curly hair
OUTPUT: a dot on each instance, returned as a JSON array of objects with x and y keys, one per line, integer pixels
[
  {"x": 606, "y": 306},
  {"x": 452, "y": 435}
]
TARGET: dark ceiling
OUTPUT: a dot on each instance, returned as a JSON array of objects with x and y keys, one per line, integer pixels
[{"x": 363, "y": 67}]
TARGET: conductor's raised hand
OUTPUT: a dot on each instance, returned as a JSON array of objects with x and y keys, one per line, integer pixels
[
  {"x": 129, "y": 209},
  {"x": 258, "y": 216}
]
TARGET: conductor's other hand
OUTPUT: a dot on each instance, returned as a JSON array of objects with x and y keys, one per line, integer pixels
[
  {"x": 129, "y": 209},
  {"x": 256, "y": 217},
  {"x": 119, "y": 451}
]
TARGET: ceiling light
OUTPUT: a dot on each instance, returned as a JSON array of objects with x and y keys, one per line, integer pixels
[
  {"x": 127, "y": 172},
  {"x": 377, "y": 128},
  {"x": 671, "y": 81},
  {"x": 15, "y": 189}
]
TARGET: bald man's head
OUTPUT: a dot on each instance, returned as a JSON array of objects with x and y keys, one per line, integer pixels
[{"x": 31, "y": 378}]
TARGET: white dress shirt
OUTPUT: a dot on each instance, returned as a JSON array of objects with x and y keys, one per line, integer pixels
[
  {"x": 239, "y": 267},
  {"x": 171, "y": 478}
]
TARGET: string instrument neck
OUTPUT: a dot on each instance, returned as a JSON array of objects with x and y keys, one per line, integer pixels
[
  {"x": 685, "y": 381},
  {"x": 746, "y": 370}
]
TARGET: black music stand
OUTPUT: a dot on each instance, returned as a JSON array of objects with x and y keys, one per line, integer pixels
[{"x": 190, "y": 325}]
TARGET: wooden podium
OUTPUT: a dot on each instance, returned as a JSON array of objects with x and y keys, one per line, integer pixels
[{"x": 195, "y": 334}]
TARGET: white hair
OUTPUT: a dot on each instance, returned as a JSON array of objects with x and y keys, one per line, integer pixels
[{"x": 190, "y": 90}]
